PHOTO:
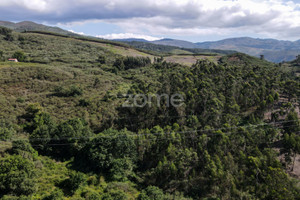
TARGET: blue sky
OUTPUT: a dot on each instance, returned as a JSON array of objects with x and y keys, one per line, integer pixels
[{"x": 192, "y": 20}]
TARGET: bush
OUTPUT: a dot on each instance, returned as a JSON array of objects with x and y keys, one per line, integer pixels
[
  {"x": 16, "y": 176},
  {"x": 20, "y": 100},
  {"x": 72, "y": 91},
  {"x": 57, "y": 194},
  {"x": 6, "y": 133},
  {"x": 15, "y": 198},
  {"x": 84, "y": 103},
  {"x": 121, "y": 169},
  {"x": 75, "y": 180},
  {"x": 24, "y": 149},
  {"x": 112, "y": 152},
  {"x": 101, "y": 59},
  {"x": 151, "y": 193},
  {"x": 1, "y": 55},
  {"x": 91, "y": 195},
  {"x": 20, "y": 56},
  {"x": 131, "y": 62},
  {"x": 7, "y": 33},
  {"x": 115, "y": 195},
  {"x": 136, "y": 62}
]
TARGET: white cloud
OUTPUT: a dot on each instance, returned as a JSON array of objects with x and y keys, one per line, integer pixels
[
  {"x": 36, "y": 5},
  {"x": 128, "y": 35},
  {"x": 79, "y": 33},
  {"x": 276, "y": 18}
]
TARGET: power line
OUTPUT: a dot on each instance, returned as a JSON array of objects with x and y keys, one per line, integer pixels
[
  {"x": 156, "y": 139},
  {"x": 152, "y": 134}
]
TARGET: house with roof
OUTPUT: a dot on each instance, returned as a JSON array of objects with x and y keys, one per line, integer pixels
[{"x": 13, "y": 60}]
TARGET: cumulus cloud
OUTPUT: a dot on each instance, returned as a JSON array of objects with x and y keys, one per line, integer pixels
[
  {"x": 79, "y": 33},
  {"x": 128, "y": 35},
  {"x": 276, "y": 18}
]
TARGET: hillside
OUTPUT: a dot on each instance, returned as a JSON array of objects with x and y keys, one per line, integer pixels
[
  {"x": 42, "y": 39},
  {"x": 84, "y": 118},
  {"x": 171, "y": 50},
  {"x": 273, "y": 50},
  {"x": 31, "y": 26},
  {"x": 177, "y": 43}
]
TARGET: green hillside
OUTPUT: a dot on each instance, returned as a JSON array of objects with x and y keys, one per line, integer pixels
[
  {"x": 173, "y": 49},
  {"x": 31, "y": 26},
  {"x": 69, "y": 131}
]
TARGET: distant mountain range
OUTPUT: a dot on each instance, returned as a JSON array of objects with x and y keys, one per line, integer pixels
[
  {"x": 177, "y": 43},
  {"x": 273, "y": 50}
]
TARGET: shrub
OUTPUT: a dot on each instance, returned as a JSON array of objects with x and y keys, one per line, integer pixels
[
  {"x": 24, "y": 149},
  {"x": 131, "y": 62},
  {"x": 6, "y": 133},
  {"x": 151, "y": 193},
  {"x": 112, "y": 152},
  {"x": 16, "y": 176},
  {"x": 75, "y": 180},
  {"x": 72, "y": 91},
  {"x": 101, "y": 59},
  {"x": 84, "y": 103},
  {"x": 7, "y": 33},
  {"x": 1, "y": 55},
  {"x": 57, "y": 194},
  {"x": 20, "y": 56}
]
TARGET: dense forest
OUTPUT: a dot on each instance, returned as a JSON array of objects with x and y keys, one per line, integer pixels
[{"x": 66, "y": 134}]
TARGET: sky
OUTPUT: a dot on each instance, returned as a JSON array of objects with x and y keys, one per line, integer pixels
[{"x": 191, "y": 20}]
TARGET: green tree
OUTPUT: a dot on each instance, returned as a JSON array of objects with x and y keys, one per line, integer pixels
[
  {"x": 6, "y": 133},
  {"x": 119, "y": 64},
  {"x": 96, "y": 82},
  {"x": 113, "y": 152},
  {"x": 7, "y": 33},
  {"x": 16, "y": 176},
  {"x": 57, "y": 194},
  {"x": 75, "y": 180},
  {"x": 20, "y": 56},
  {"x": 74, "y": 132},
  {"x": 1, "y": 55},
  {"x": 151, "y": 193},
  {"x": 292, "y": 146},
  {"x": 101, "y": 59},
  {"x": 24, "y": 149},
  {"x": 292, "y": 123},
  {"x": 121, "y": 169}
]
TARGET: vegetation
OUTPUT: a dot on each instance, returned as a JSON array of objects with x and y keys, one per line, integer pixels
[
  {"x": 65, "y": 134},
  {"x": 157, "y": 49},
  {"x": 20, "y": 56}
]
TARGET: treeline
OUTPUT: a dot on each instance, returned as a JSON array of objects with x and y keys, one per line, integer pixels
[
  {"x": 168, "y": 50},
  {"x": 214, "y": 95},
  {"x": 129, "y": 62}
]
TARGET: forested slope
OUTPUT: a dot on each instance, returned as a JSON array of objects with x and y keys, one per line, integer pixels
[{"x": 66, "y": 134}]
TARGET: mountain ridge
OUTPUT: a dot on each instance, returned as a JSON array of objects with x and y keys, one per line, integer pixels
[
  {"x": 32, "y": 26},
  {"x": 272, "y": 49}
]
